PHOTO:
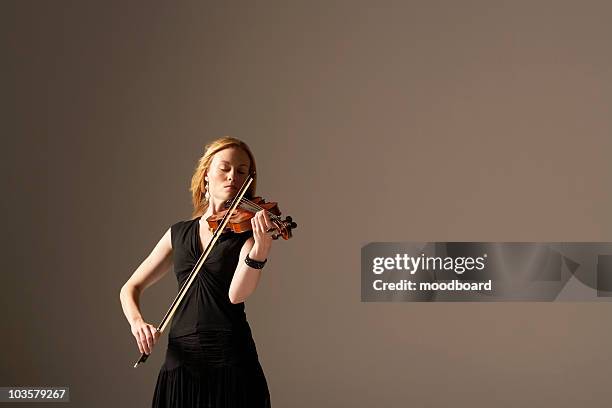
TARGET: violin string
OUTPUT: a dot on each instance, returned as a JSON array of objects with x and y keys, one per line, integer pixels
[
  {"x": 257, "y": 208},
  {"x": 249, "y": 206}
]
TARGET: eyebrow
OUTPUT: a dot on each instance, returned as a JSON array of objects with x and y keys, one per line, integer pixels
[{"x": 225, "y": 161}]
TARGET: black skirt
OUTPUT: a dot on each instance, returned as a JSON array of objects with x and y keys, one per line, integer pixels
[{"x": 213, "y": 369}]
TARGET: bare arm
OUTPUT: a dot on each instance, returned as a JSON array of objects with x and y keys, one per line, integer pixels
[
  {"x": 152, "y": 269},
  {"x": 257, "y": 247},
  {"x": 245, "y": 278}
]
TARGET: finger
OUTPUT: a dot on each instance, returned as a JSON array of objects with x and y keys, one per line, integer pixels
[
  {"x": 265, "y": 227},
  {"x": 145, "y": 343},
  {"x": 266, "y": 217},
  {"x": 267, "y": 222},
  {"x": 149, "y": 338},
  {"x": 153, "y": 334},
  {"x": 262, "y": 226},
  {"x": 139, "y": 346},
  {"x": 256, "y": 227},
  {"x": 258, "y": 222}
]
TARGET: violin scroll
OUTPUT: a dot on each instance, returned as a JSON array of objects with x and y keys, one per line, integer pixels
[{"x": 283, "y": 228}]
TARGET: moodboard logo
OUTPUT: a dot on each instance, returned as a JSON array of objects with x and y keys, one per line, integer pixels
[{"x": 486, "y": 271}]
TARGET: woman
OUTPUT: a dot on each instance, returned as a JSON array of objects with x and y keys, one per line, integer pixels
[{"x": 211, "y": 360}]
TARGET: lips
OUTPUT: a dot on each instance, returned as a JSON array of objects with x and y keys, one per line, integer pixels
[{"x": 232, "y": 187}]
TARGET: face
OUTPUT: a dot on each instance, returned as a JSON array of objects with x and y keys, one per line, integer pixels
[{"x": 228, "y": 170}]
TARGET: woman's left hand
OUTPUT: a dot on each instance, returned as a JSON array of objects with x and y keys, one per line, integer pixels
[{"x": 261, "y": 223}]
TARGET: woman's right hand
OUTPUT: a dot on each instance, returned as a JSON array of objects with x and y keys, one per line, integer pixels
[{"x": 146, "y": 335}]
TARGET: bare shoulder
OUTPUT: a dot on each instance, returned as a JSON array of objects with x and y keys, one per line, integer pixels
[
  {"x": 156, "y": 264},
  {"x": 165, "y": 243}
]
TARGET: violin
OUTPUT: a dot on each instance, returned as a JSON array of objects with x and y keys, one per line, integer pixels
[{"x": 240, "y": 220}]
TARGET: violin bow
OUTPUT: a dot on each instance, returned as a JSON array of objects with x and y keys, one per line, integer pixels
[{"x": 192, "y": 275}]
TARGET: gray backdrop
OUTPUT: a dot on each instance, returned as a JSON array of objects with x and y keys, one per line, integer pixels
[{"x": 370, "y": 121}]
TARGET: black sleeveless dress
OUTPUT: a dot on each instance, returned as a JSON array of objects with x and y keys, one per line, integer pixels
[{"x": 211, "y": 360}]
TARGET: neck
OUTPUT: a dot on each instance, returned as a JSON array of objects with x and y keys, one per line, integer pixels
[{"x": 214, "y": 206}]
